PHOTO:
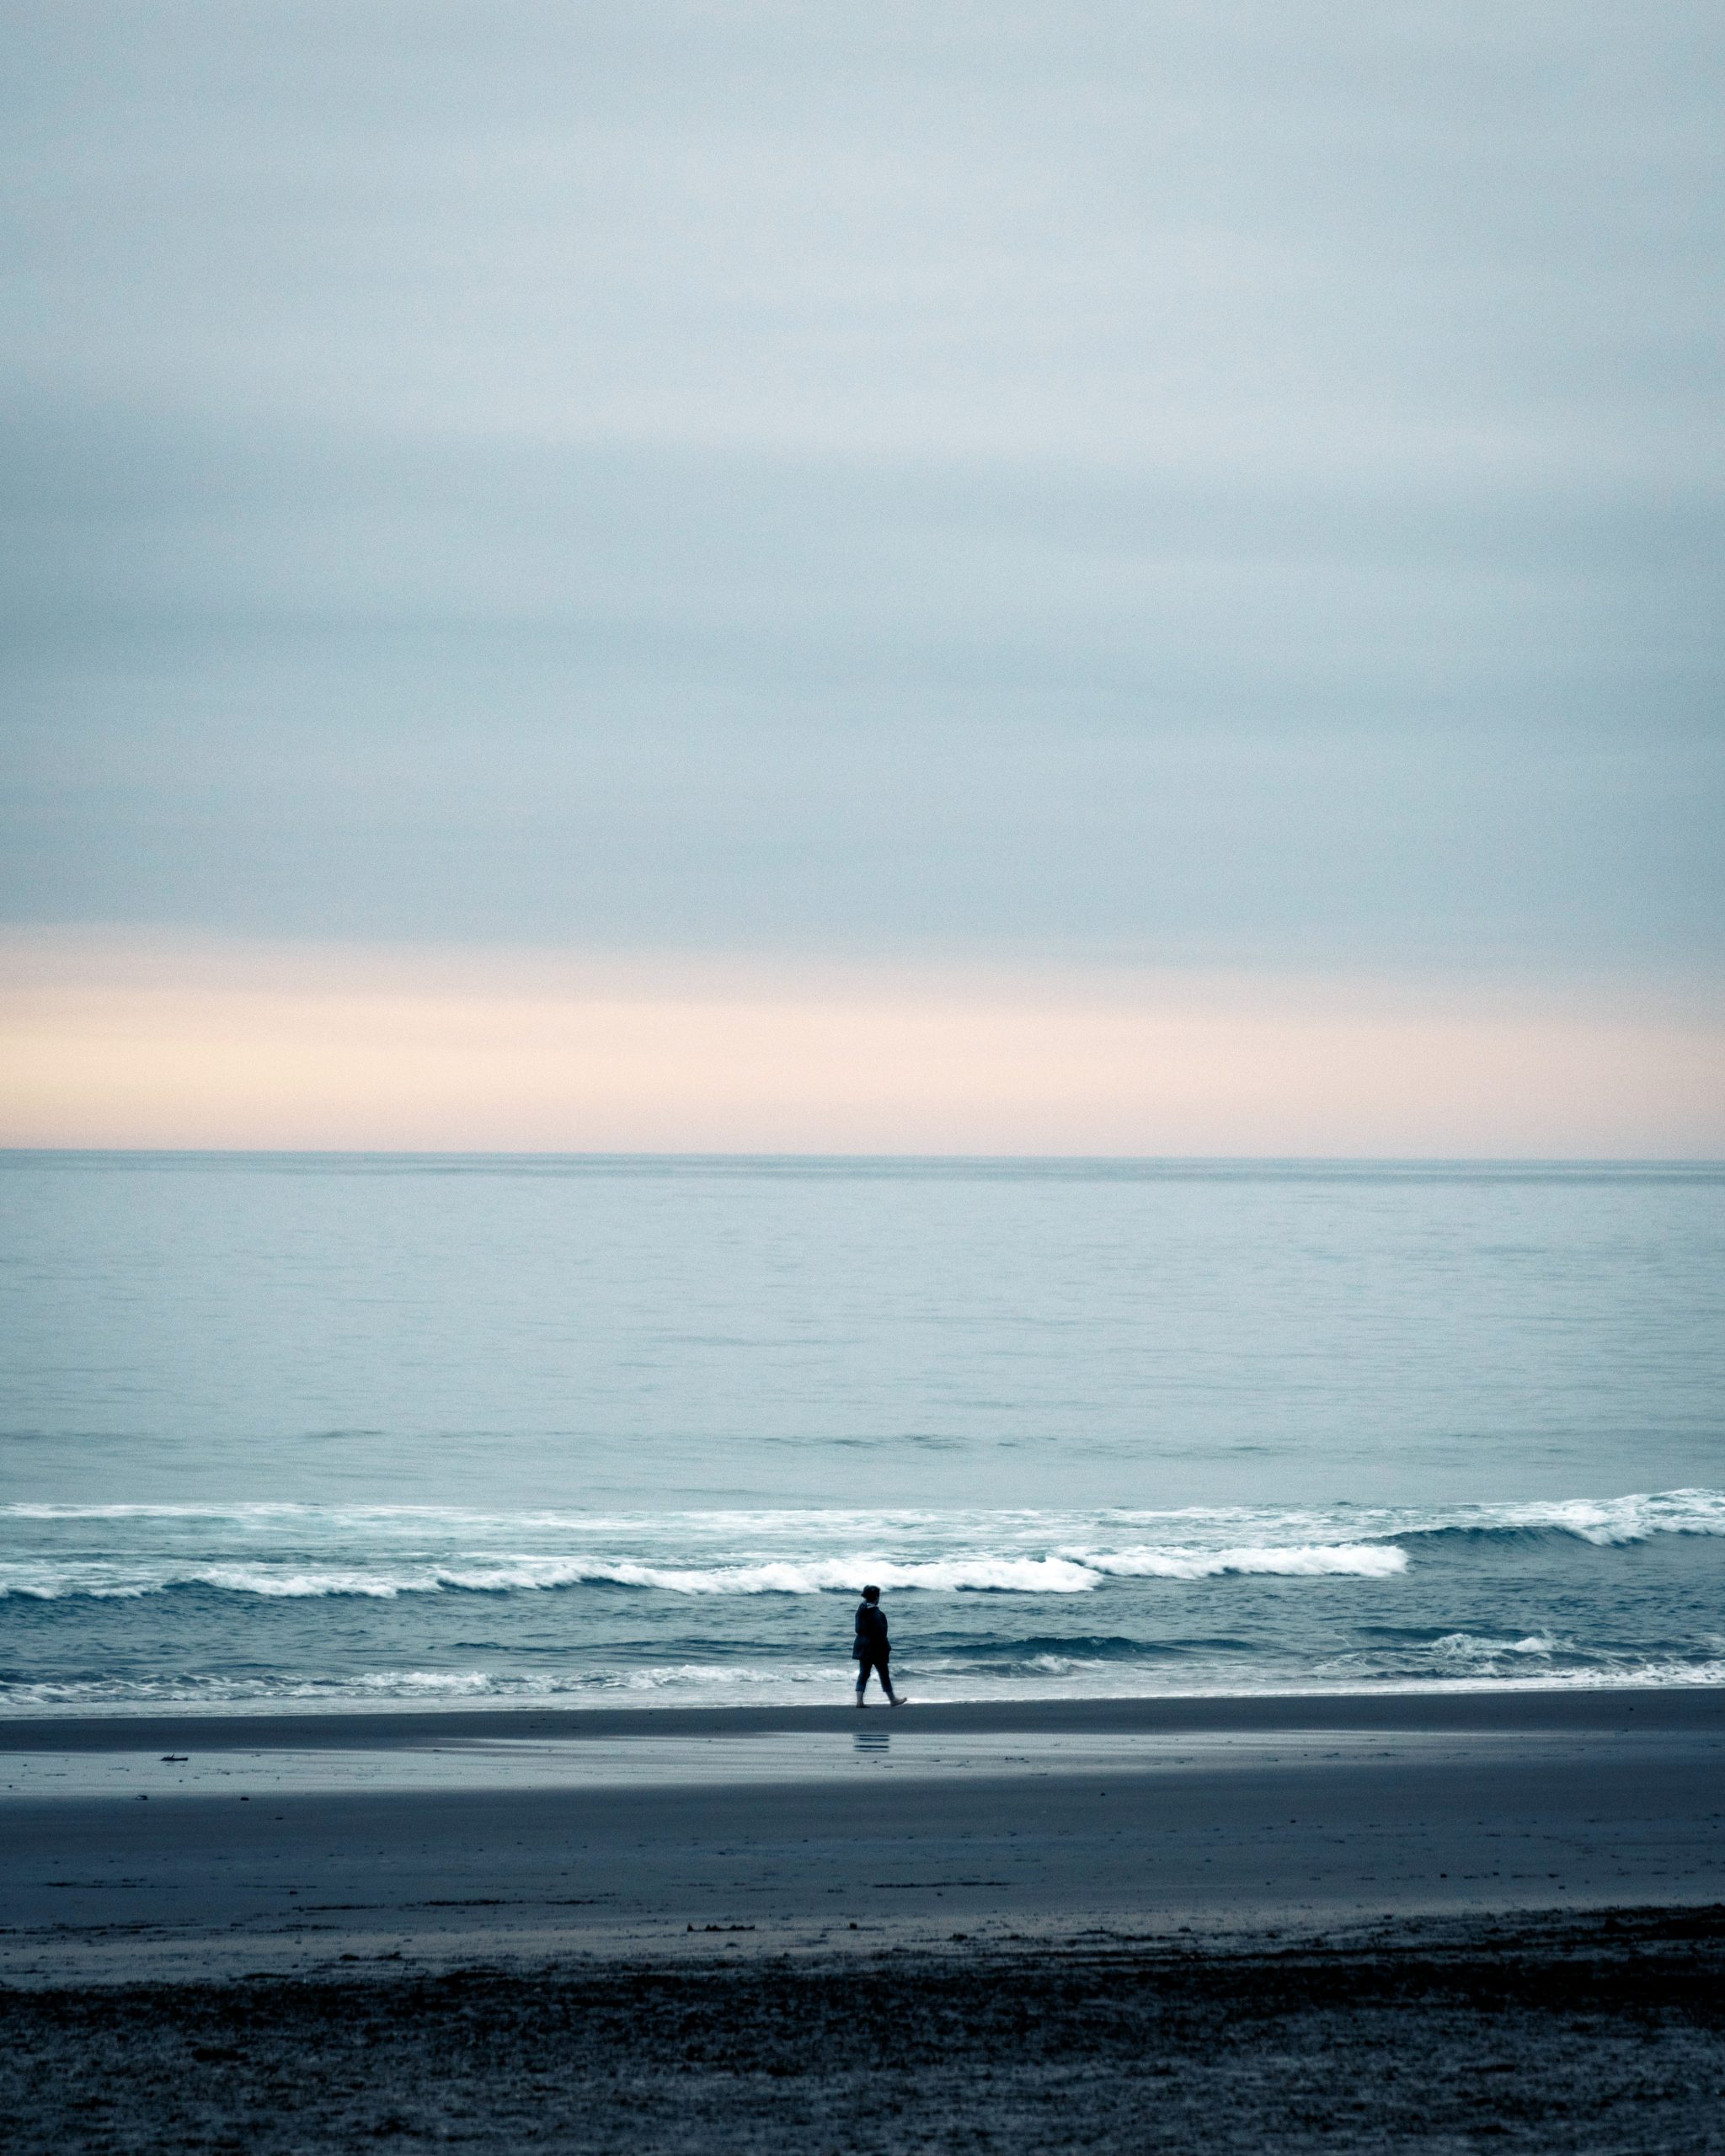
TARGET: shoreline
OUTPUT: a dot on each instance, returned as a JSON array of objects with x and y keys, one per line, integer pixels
[{"x": 1513, "y": 1708}]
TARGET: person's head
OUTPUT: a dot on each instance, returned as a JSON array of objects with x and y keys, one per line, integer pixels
[{"x": 871, "y": 1594}]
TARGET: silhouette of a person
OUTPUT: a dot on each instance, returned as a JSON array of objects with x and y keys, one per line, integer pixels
[{"x": 872, "y": 1647}]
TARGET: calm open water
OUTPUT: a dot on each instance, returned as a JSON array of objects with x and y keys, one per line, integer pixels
[{"x": 349, "y": 1429}]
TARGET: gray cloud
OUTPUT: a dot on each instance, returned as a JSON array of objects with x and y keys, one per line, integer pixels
[{"x": 1228, "y": 483}]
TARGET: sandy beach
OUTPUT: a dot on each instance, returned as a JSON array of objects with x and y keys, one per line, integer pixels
[
  {"x": 194, "y": 1845},
  {"x": 1124, "y": 1876}
]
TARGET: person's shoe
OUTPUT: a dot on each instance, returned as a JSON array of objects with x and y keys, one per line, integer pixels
[
  {"x": 900, "y": 1699},
  {"x": 859, "y": 1698}
]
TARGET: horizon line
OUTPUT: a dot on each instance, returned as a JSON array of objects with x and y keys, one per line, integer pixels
[{"x": 1646, "y": 1160}]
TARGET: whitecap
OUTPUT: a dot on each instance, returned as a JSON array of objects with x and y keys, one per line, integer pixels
[{"x": 1308, "y": 1561}]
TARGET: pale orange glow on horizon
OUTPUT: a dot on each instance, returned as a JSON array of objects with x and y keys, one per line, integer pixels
[{"x": 129, "y": 1042}]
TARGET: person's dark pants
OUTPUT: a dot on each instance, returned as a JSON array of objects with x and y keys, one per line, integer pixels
[{"x": 876, "y": 1663}]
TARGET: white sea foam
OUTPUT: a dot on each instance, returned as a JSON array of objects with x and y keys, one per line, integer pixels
[
  {"x": 997, "y": 1575},
  {"x": 1067, "y": 1573},
  {"x": 783, "y": 1684},
  {"x": 297, "y": 1552},
  {"x": 975, "y": 1575},
  {"x": 1631, "y": 1518},
  {"x": 1469, "y": 1646},
  {"x": 770, "y": 1683},
  {"x": 1367, "y": 1561},
  {"x": 1604, "y": 1522}
]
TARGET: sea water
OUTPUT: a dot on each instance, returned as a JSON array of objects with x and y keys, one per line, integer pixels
[{"x": 343, "y": 1430}]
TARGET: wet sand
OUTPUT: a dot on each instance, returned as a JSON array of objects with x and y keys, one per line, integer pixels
[
  {"x": 1500, "y": 1708},
  {"x": 286, "y": 1844},
  {"x": 1087, "y": 1898}
]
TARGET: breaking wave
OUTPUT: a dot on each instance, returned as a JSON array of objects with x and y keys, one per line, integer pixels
[
  {"x": 1066, "y": 1573},
  {"x": 1603, "y": 1521},
  {"x": 1607, "y": 1523},
  {"x": 1362, "y": 1561},
  {"x": 284, "y": 1552}
]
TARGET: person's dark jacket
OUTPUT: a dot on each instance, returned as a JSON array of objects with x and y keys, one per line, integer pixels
[{"x": 871, "y": 1641}]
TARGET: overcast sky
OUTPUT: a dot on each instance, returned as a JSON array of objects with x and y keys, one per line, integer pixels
[{"x": 1224, "y": 484}]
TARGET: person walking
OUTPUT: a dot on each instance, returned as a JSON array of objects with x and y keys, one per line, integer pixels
[{"x": 872, "y": 1647}]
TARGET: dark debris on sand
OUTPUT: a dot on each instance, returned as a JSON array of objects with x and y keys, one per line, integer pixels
[{"x": 1561, "y": 2033}]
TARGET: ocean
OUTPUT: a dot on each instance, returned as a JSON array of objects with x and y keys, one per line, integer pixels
[{"x": 334, "y": 1431}]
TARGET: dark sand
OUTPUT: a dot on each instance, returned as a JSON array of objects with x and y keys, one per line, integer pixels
[
  {"x": 1606, "y": 2034},
  {"x": 1371, "y": 1922}
]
